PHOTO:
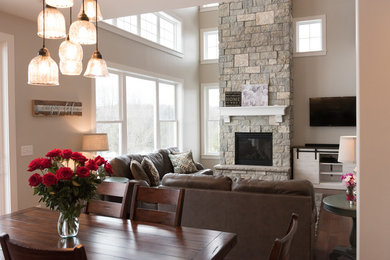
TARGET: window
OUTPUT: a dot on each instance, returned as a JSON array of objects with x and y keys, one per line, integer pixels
[
  {"x": 209, "y": 7},
  {"x": 310, "y": 36},
  {"x": 159, "y": 27},
  {"x": 139, "y": 113},
  {"x": 210, "y": 116},
  {"x": 210, "y": 51}
]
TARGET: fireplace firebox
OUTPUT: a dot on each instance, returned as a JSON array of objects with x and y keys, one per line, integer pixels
[{"x": 253, "y": 149}]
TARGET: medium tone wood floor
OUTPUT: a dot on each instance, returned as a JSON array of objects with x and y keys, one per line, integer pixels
[{"x": 333, "y": 230}]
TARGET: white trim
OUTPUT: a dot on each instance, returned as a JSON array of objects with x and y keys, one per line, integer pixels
[
  {"x": 323, "y": 37},
  {"x": 208, "y": 9},
  {"x": 202, "y": 45},
  {"x": 277, "y": 111},
  {"x": 8, "y": 135}
]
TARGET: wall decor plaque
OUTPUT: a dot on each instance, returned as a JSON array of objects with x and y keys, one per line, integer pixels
[
  {"x": 255, "y": 95},
  {"x": 233, "y": 99},
  {"x": 56, "y": 108}
]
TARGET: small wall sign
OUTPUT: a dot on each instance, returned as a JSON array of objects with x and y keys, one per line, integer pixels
[
  {"x": 56, "y": 108},
  {"x": 233, "y": 99}
]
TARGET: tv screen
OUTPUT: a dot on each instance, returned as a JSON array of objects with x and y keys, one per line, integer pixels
[{"x": 333, "y": 111}]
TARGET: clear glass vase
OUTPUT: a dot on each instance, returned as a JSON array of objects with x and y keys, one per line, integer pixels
[
  {"x": 350, "y": 195},
  {"x": 67, "y": 225}
]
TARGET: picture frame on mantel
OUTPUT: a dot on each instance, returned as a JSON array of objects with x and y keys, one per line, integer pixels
[
  {"x": 233, "y": 98},
  {"x": 56, "y": 108},
  {"x": 254, "y": 95}
]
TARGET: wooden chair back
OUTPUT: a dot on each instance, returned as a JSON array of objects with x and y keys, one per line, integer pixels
[
  {"x": 108, "y": 208},
  {"x": 157, "y": 196},
  {"x": 14, "y": 251},
  {"x": 281, "y": 247}
]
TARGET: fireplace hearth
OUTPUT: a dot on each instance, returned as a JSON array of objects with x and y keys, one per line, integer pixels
[{"x": 253, "y": 149}]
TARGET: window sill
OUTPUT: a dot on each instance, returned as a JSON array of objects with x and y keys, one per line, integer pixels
[
  {"x": 134, "y": 37},
  {"x": 213, "y": 61},
  {"x": 208, "y": 9},
  {"x": 309, "y": 53},
  {"x": 209, "y": 157}
]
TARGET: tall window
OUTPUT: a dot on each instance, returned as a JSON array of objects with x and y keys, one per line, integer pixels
[
  {"x": 310, "y": 36},
  {"x": 209, "y": 45},
  {"x": 157, "y": 27},
  {"x": 138, "y": 113},
  {"x": 210, "y": 113}
]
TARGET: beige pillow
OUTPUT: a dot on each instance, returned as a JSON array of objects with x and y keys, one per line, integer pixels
[
  {"x": 183, "y": 162},
  {"x": 138, "y": 172},
  {"x": 151, "y": 171}
]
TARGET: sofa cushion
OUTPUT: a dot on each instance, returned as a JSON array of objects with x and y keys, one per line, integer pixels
[
  {"x": 121, "y": 166},
  {"x": 289, "y": 187},
  {"x": 183, "y": 162},
  {"x": 197, "y": 181},
  {"x": 138, "y": 172},
  {"x": 151, "y": 171}
]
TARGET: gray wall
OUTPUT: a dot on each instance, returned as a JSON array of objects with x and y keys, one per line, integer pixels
[
  {"x": 46, "y": 133},
  {"x": 321, "y": 76}
]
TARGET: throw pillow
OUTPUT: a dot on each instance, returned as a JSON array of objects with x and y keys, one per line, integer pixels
[
  {"x": 138, "y": 172},
  {"x": 151, "y": 171},
  {"x": 183, "y": 162}
]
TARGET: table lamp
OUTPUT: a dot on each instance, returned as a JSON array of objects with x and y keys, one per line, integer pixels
[
  {"x": 94, "y": 142},
  {"x": 347, "y": 150}
]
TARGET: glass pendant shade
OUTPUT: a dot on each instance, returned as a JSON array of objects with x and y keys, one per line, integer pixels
[
  {"x": 71, "y": 55},
  {"x": 60, "y": 3},
  {"x": 43, "y": 70},
  {"x": 90, "y": 10},
  {"x": 54, "y": 23},
  {"x": 71, "y": 68},
  {"x": 97, "y": 67},
  {"x": 82, "y": 31}
]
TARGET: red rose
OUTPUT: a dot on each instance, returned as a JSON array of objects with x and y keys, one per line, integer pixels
[
  {"x": 108, "y": 168},
  {"x": 64, "y": 173},
  {"x": 45, "y": 163},
  {"x": 54, "y": 153},
  {"x": 35, "y": 180},
  {"x": 79, "y": 157},
  {"x": 34, "y": 164},
  {"x": 49, "y": 179},
  {"x": 66, "y": 153},
  {"x": 92, "y": 165},
  {"x": 82, "y": 172},
  {"x": 100, "y": 160}
]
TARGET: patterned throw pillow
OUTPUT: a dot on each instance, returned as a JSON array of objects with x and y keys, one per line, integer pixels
[
  {"x": 151, "y": 171},
  {"x": 138, "y": 172},
  {"x": 183, "y": 162}
]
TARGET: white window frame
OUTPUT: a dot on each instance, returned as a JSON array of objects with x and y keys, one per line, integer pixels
[
  {"x": 205, "y": 8},
  {"x": 123, "y": 107},
  {"x": 296, "y": 36},
  {"x": 178, "y": 46},
  {"x": 202, "y": 46},
  {"x": 204, "y": 116}
]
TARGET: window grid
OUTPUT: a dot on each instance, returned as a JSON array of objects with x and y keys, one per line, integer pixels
[
  {"x": 310, "y": 36},
  {"x": 210, "y": 46}
]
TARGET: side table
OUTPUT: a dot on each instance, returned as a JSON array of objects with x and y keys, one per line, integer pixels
[{"x": 338, "y": 204}]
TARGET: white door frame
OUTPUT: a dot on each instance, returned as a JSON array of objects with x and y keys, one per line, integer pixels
[{"x": 8, "y": 171}]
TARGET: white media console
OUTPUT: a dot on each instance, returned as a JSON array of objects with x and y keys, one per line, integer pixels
[{"x": 320, "y": 166}]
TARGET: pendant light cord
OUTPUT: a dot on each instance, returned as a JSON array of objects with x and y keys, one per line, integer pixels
[
  {"x": 44, "y": 21},
  {"x": 83, "y": 7},
  {"x": 97, "y": 28},
  {"x": 70, "y": 16}
]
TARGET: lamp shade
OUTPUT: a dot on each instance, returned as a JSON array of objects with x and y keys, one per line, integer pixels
[
  {"x": 71, "y": 55},
  {"x": 71, "y": 68},
  {"x": 97, "y": 67},
  {"x": 60, "y": 3},
  {"x": 82, "y": 31},
  {"x": 95, "y": 142},
  {"x": 90, "y": 10},
  {"x": 347, "y": 149},
  {"x": 54, "y": 23},
  {"x": 43, "y": 70}
]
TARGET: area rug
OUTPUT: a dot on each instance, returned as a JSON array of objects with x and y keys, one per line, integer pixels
[{"x": 318, "y": 203}]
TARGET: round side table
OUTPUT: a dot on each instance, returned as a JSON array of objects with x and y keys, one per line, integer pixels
[{"x": 338, "y": 204}]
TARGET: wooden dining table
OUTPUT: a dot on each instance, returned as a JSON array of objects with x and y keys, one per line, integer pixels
[{"x": 112, "y": 238}]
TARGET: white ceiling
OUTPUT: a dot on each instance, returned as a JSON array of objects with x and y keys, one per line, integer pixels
[{"x": 29, "y": 9}]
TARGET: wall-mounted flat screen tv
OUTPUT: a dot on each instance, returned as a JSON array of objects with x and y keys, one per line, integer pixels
[{"x": 333, "y": 111}]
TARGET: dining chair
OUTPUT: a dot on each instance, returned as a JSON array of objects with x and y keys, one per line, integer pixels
[
  {"x": 15, "y": 251},
  {"x": 281, "y": 247},
  {"x": 110, "y": 208},
  {"x": 161, "y": 197}
]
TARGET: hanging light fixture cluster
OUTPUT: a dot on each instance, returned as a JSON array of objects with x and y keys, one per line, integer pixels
[{"x": 43, "y": 70}]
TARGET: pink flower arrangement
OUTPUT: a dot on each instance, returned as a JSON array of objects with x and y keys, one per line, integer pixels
[{"x": 349, "y": 180}]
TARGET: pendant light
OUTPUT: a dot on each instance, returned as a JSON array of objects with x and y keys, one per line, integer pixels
[
  {"x": 43, "y": 70},
  {"x": 55, "y": 23},
  {"x": 90, "y": 10},
  {"x": 82, "y": 31},
  {"x": 97, "y": 67},
  {"x": 71, "y": 55},
  {"x": 60, "y": 3}
]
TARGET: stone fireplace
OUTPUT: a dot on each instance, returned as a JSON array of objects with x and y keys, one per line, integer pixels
[
  {"x": 256, "y": 48},
  {"x": 253, "y": 149}
]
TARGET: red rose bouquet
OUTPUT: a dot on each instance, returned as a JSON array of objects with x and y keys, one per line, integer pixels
[{"x": 65, "y": 181}]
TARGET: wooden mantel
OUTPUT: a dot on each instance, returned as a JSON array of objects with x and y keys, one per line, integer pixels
[{"x": 277, "y": 111}]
